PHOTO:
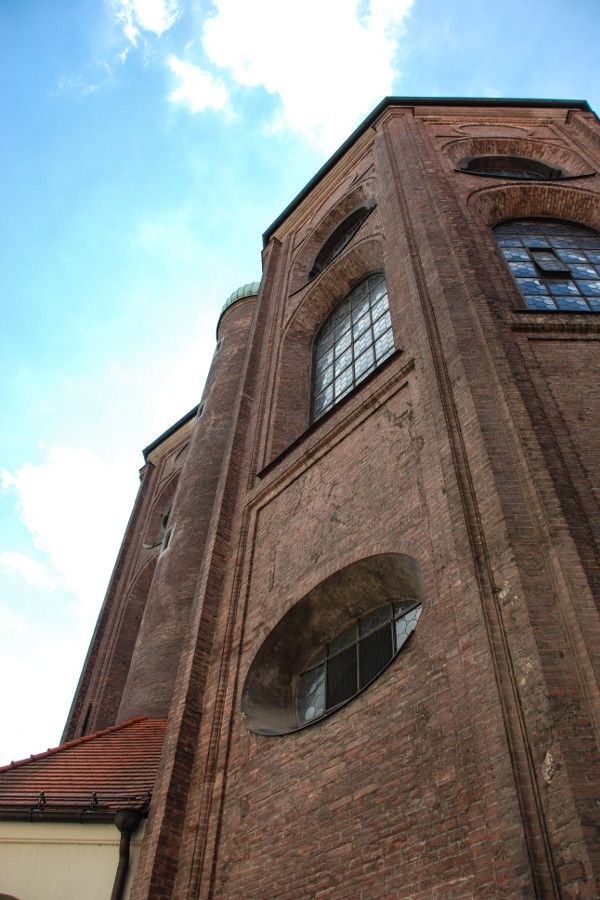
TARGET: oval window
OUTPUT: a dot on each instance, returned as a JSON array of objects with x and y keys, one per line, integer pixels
[
  {"x": 333, "y": 643},
  {"x": 343, "y": 667}
]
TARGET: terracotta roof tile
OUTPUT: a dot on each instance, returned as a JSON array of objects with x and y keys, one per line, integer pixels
[{"x": 116, "y": 762}]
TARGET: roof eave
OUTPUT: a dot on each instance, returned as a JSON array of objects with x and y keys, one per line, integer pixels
[
  {"x": 509, "y": 102},
  {"x": 80, "y": 816},
  {"x": 77, "y": 815},
  {"x": 173, "y": 428}
]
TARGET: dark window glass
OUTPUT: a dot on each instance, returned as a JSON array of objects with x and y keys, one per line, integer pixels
[
  {"x": 556, "y": 265},
  {"x": 357, "y": 655},
  {"x": 511, "y": 167},
  {"x": 341, "y": 677},
  {"x": 336, "y": 242},
  {"x": 343, "y": 640},
  {"x": 375, "y": 653},
  {"x": 354, "y": 340}
]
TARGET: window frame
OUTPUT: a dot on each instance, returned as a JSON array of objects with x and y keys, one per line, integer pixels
[
  {"x": 323, "y": 655},
  {"x": 316, "y": 357}
]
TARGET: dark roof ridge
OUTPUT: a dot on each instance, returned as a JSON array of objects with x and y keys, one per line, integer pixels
[
  {"x": 170, "y": 430},
  {"x": 514, "y": 102},
  {"x": 51, "y": 751}
]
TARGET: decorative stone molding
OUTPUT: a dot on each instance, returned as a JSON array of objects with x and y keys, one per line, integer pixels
[
  {"x": 558, "y": 201},
  {"x": 492, "y": 130}
]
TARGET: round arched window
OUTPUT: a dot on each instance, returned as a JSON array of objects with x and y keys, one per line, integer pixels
[
  {"x": 510, "y": 167},
  {"x": 346, "y": 665}
]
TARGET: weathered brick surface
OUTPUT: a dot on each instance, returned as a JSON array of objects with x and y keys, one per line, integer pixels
[
  {"x": 156, "y": 656},
  {"x": 471, "y": 767}
]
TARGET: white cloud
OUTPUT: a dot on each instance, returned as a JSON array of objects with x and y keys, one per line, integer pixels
[
  {"x": 74, "y": 506},
  {"x": 135, "y": 16},
  {"x": 329, "y": 63},
  {"x": 69, "y": 504},
  {"x": 75, "y": 503},
  {"x": 42, "y": 666},
  {"x": 198, "y": 90},
  {"x": 78, "y": 85},
  {"x": 34, "y": 573}
]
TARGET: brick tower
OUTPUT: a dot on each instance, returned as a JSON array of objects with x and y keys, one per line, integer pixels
[{"x": 360, "y": 580}]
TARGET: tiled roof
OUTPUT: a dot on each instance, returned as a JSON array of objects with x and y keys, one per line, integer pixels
[{"x": 106, "y": 770}]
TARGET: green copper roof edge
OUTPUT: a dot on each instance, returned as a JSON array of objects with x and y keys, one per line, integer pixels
[{"x": 242, "y": 293}]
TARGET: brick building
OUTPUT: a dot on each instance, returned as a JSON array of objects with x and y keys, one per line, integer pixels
[{"x": 360, "y": 580}]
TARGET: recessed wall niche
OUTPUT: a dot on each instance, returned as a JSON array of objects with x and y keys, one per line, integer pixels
[{"x": 269, "y": 694}]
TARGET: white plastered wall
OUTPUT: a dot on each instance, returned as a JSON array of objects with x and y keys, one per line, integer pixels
[{"x": 62, "y": 861}]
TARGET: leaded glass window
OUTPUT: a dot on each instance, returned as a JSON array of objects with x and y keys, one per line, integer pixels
[
  {"x": 352, "y": 660},
  {"x": 556, "y": 265},
  {"x": 352, "y": 343}
]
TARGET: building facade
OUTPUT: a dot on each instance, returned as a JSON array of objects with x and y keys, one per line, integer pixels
[{"x": 360, "y": 581}]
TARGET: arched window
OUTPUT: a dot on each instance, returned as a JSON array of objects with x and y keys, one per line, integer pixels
[
  {"x": 336, "y": 242},
  {"x": 510, "y": 167},
  {"x": 556, "y": 265},
  {"x": 354, "y": 340}
]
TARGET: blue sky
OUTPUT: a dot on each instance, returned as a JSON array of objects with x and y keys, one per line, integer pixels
[{"x": 145, "y": 147}]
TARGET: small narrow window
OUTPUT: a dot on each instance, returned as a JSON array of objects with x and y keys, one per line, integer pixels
[
  {"x": 510, "y": 167},
  {"x": 164, "y": 530},
  {"x": 219, "y": 345},
  {"x": 555, "y": 264},
  {"x": 339, "y": 239},
  {"x": 200, "y": 410},
  {"x": 164, "y": 521}
]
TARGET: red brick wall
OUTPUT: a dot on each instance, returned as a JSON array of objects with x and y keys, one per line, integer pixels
[
  {"x": 568, "y": 377},
  {"x": 471, "y": 766}
]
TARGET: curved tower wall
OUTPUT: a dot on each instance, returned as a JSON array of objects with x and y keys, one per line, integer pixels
[{"x": 155, "y": 658}]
